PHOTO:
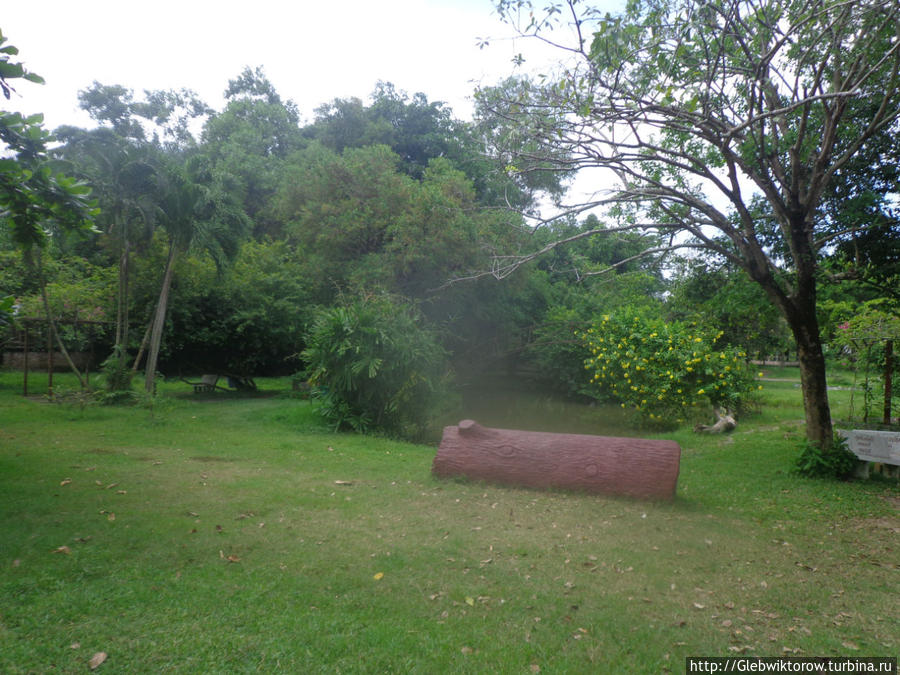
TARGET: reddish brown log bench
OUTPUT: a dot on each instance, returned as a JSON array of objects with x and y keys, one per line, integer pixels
[{"x": 634, "y": 467}]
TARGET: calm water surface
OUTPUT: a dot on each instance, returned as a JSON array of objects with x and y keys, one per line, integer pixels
[{"x": 516, "y": 405}]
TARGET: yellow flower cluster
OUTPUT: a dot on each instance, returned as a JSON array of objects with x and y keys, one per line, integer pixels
[{"x": 657, "y": 367}]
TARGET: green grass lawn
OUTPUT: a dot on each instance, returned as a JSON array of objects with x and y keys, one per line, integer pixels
[{"x": 220, "y": 534}]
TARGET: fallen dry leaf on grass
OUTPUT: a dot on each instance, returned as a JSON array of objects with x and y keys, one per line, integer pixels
[
  {"x": 63, "y": 549},
  {"x": 65, "y": 481},
  {"x": 97, "y": 660},
  {"x": 378, "y": 576}
]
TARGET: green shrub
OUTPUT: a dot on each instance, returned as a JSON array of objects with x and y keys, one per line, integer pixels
[
  {"x": 6, "y": 310},
  {"x": 834, "y": 462},
  {"x": 664, "y": 369},
  {"x": 116, "y": 374},
  {"x": 558, "y": 355},
  {"x": 373, "y": 367}
]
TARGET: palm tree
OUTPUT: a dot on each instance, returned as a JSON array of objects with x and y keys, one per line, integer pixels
[
  {"x": 198, "y": 216},
  {"x": 124, "y": 176}
]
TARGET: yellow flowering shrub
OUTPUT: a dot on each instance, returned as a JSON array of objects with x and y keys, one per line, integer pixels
[{"x": 663, "y": 369}]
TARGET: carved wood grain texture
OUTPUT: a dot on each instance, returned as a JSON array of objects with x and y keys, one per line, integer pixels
[{"x": 634, "y": 467}]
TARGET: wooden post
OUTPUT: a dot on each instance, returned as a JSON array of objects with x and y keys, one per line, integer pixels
[
  {"x": 50, "y": 359},
  {"x": 25, "y": 363},
  {"x": 888, "y": 379}
]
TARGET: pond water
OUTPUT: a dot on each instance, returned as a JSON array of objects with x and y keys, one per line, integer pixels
[{"x": 511, "y": 404}]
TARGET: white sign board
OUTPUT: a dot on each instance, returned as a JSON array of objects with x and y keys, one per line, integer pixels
[{"x": 874, "y": 446}]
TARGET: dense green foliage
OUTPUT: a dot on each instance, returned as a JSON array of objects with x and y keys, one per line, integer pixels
[
  {"x": 373, "y": 366},
  {"x": 730, "y": 129},
  {"x": 34, "y": 194},
  {"x": 247, "y": 320},
  {"x": 837, "y": 462},
  {"x": 362, "y": 223},
  {"x": 36, "y": 198},
  {"x": 6, "y": 311},
  {"x": 225, "y": 238},
  {"x": 866, "y": 341},
  {"x": 733, "y": 304},
  {"x": 663, "y": 369},
  {"x": 364, "y": 250}
]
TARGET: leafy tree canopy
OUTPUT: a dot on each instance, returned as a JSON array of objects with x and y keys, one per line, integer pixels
[
  {"x": 165, "y": 117},
  {"x": 363, "y": 223},
  {"x": 34, "y": 195},
  {"x": 721, "y": 126}
]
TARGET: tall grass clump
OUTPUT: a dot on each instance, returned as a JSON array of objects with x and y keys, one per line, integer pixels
[{"x": 836, "y": 461}]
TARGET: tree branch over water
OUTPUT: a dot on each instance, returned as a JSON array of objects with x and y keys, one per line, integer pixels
[{"x": 722, "y": 126}]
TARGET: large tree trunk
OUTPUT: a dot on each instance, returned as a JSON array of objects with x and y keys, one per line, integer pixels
[
  {"x": 120, "y": 350},
  {"x": 122, "y": 294},
  {"x": 140, "y": 354},
  {"x": 159, "y": 322},
  {"x": 819, "y": 428},
  {"x": 805, "y": 327},
  {"x": 799, "y": 309}
]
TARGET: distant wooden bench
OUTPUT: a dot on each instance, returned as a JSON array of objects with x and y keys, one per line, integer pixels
[
  {"x": 207, "y": 383},
  {"x": 240, "y": 382}
]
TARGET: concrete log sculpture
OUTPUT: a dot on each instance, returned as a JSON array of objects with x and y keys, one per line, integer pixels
[{"x": 634, "y": 467}]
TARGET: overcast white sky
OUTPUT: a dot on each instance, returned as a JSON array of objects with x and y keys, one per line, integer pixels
[{"x": 312, "y": 52}]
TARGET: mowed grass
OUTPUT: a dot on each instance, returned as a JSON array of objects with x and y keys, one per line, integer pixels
[{"x": 218, "y": 534}]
